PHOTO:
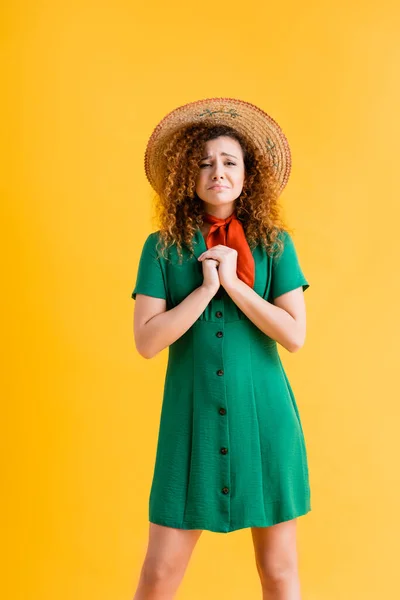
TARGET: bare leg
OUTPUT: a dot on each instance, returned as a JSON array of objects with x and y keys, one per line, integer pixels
[
  {"x": 165, "y": 563},
  {"x": 276, "y": 560}
]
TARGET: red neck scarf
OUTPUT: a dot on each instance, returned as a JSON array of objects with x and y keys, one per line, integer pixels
[{"x": 230, "y": 232}]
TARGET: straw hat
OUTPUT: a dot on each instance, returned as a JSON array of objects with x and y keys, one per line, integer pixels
[{"x": 243, "y": 116}]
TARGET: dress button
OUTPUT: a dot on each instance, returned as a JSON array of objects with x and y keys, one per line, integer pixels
[
  {"x": 219, "y": 333},
  {"x": 218, "y": 314},
  {"x": 224, "y": 450},
  {"x": 225, "y": 490},
  {"x": 222, "y": 411},
  {"x": 220, "y": 372}
]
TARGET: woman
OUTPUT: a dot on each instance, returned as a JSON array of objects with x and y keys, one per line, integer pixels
[{"x": 220, "y": 285}]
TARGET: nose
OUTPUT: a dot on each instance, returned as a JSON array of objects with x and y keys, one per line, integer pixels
[{"x": 218, "y": 170}]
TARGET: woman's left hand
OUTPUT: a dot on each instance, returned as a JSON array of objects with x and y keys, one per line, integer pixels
[{"x": 227, "y": 259}]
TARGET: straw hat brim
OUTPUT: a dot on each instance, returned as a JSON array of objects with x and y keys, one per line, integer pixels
[{"x": 246, "y": 118}]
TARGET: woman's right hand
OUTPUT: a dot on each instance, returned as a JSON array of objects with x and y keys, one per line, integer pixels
[{"x": 210, "y": 274}]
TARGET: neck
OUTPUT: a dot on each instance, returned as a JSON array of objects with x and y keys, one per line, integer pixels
[{"x": 221, "y": 212}]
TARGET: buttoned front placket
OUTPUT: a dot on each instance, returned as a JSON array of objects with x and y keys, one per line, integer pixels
[{"x": 221, "y": 409}]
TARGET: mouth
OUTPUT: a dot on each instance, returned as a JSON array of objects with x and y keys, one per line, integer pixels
[{"x": 218, "y": 187}]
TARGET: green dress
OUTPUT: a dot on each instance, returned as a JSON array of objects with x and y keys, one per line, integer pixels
[{"x": 231, "y": 451}]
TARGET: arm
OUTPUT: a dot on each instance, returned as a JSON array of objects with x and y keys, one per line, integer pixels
[
  {"x": 155, "y": 328},
  {"x": 284, "y": 320}
]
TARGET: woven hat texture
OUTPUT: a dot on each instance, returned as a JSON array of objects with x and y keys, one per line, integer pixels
[{"x": 246, "y": 118}]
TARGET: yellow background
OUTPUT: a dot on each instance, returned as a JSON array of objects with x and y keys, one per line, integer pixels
[{"x": 85, "y": 83}]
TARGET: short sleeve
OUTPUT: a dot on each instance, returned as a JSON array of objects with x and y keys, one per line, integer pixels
[
  {"x": 286, "y": 274},
  {"x": 150, "y": 280}
]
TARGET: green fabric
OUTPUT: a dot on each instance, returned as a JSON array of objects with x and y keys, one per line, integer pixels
[{"x": 225, "y": 362}]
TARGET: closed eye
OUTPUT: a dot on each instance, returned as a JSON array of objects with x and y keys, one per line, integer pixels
[{"x": 229, "y": 162}]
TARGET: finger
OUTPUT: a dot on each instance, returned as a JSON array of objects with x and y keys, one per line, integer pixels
[
  {"x": 210, "y": 258},
  {"x": 208, "y": 253}
]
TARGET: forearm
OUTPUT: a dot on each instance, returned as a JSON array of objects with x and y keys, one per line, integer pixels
[
  {"x": 270, "y": 319},
  {"x": 165, "y": 328}
]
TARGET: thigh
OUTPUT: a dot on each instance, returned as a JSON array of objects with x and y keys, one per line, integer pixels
[
  {"x": 275, "y": 546},
  {"x": 171, "y": 546}
]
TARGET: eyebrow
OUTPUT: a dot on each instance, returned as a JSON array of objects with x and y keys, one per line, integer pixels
[{"x": 222, "y": 154}]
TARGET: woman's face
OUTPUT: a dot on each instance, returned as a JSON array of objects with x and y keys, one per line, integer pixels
[{"x": 221, "y": 164}]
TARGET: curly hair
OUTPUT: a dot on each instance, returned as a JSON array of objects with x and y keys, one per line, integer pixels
[{"x": 179, "y": 210}]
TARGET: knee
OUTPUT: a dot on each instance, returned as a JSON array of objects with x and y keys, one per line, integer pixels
[
  {"x": 158, "y": 573},
  {"x": 274, "y": 574}
]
